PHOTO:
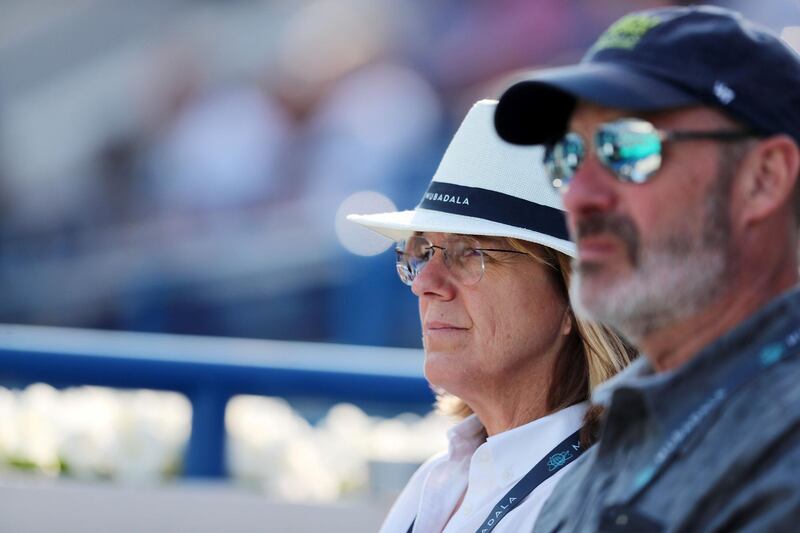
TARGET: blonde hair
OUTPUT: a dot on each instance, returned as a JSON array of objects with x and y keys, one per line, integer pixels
[{"x": 591, "y": 354}]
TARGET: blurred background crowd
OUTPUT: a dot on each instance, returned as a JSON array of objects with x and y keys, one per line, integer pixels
[
  {"x": 184, "y": 166},
  {"x": 178, "y": 165}
]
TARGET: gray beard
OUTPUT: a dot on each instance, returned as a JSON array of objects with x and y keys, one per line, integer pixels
[
  {"x": 672, "y": 280},
  {"x": 665, "y": 288}
]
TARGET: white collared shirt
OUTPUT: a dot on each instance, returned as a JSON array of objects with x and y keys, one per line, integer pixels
[{"x": 487, "y": 469}]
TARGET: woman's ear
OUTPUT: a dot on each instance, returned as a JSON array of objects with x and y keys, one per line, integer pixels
[{"x": 566, "y": 323}]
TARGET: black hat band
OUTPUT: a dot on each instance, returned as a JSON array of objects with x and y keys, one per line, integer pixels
[{"x": 495, "y": 207}]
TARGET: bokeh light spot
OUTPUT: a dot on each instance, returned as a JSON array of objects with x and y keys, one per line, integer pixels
[{"x": 354, "y": 237}]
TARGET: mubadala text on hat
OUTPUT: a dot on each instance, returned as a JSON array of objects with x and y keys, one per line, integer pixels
[{"x": 439, "y": 197}]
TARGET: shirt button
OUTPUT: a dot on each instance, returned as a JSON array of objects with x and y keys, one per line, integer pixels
[
  {"x": 467, "y": 509},
  {"x": 507, "y": 475},
  {"x": 482, "y": 456},
  {"x": 622, "y": 519}
]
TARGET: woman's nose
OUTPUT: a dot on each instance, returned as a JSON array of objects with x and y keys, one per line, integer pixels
[{"x": 434, "y": 279}]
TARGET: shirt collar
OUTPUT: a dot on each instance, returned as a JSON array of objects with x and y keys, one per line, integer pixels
[
  {"x": 667, "y": 395},
  {"x": 635, "y": 375},
  {"x": 465, "y": 437},
  {"x": 514, "y": 452},
  {"x": 509, "y": 455}
]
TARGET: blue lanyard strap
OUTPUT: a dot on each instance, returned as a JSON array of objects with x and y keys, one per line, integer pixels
[
  {"x": 762, "y": 358},
  {"x": 563, "y": 454},
  {"x": 556, "y": 459}
]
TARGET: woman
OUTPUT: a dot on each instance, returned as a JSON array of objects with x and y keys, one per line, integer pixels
[{"x": 487, "y": 254}]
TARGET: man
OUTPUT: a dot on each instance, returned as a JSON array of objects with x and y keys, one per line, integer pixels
[{"x": 675, "y": 144}]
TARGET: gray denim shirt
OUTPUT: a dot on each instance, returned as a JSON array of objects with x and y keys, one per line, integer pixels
[{"x": 739, "y": 470}]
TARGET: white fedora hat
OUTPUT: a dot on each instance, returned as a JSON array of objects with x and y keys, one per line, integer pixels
[{"x": 483, "y": 186}]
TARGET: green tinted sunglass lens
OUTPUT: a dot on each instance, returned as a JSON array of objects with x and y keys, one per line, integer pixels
[
  {"x": 563, "y": 159},
  {"x": 630, "y": 148}
]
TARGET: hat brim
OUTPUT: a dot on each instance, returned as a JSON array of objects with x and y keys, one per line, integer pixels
[
  {"x": 400, "y": 225},
  {"x": 537, "y": 110}
]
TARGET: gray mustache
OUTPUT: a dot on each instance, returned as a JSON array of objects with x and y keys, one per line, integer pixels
[{"x": 617, "y": 225}]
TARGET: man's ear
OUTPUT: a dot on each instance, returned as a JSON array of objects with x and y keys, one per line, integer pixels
[{"x": 767, "y": 178}]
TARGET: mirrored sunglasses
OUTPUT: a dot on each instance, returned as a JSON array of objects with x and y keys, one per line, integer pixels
[{"x": 630, "y": 148}]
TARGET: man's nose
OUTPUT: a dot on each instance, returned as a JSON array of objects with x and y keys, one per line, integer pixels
[{"x": 591, "y": 190}]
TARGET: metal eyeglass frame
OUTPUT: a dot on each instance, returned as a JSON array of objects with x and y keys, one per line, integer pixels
[{"x": 408, "y": 274}]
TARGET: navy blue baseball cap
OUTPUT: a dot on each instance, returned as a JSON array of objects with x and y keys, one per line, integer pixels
[{"x": 662, "y": 59}]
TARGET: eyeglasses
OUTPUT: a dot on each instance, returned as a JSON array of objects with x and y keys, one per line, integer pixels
[
  {"x": 630, "y": 148},
  {"x": 463, "y": 257}
]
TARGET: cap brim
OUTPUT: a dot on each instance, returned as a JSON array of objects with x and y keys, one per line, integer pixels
[
  {"x": 537, "y": 110},
  {"x": 402, "y": 224}
]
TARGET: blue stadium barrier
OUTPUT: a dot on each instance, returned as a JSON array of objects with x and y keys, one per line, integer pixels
[{"x": 209, "y": 371}]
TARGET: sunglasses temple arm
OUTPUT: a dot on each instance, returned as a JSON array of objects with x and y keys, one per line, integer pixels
[{"x": 715, "y": 135}]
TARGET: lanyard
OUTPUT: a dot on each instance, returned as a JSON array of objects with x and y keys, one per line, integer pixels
[
  {"x": 762, "y": 358},
  {"x": 563, "y": 454}
]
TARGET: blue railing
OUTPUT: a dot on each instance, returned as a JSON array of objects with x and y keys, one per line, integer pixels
[{"x": 209, "y": 371}]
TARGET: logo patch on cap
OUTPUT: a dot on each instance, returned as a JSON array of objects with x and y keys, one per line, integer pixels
[
  {"x": 625, "y": 33},
  {"x": 723, "y": 93}
]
